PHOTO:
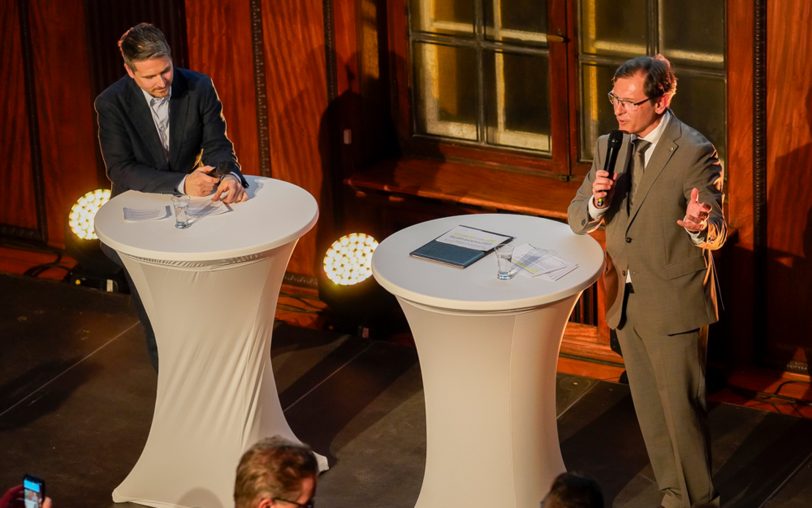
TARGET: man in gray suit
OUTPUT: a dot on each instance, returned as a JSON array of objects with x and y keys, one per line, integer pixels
[
  {"x": 662, "y": 209},
  {"x": 161, "y": 129}
]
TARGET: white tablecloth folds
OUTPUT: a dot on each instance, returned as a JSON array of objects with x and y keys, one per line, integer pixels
[
  {"x": 210, "y": 292},
  {"x": 488, "y": 351}
]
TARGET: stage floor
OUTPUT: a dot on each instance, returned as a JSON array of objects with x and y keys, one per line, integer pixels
[{"x": 77, "y": 390}]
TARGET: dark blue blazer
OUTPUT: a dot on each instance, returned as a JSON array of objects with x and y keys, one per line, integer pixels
[{"x": 130, "y": 146}]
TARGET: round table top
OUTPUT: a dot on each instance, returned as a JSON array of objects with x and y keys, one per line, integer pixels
[
  {"x": 476, "y": 287},
  {"x": 275, "y": 214}
]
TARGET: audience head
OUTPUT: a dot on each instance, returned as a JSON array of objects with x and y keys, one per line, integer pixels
[
  {"x": 276, "y": 473},
  {"x": 574, "y": 490}
]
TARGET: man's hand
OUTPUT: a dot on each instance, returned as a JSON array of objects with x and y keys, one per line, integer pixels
[
  {"x": 696, "y": 214},
  {"x": 199, "y": 182},
  {"x": 230, "y": 190},
  {"x": 602, "y": 187}
]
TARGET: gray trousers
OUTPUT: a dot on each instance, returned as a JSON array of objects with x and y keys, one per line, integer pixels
[{"x": 667, "y": 382}]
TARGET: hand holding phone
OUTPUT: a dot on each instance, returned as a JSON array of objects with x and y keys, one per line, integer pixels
[{"x": 33, "y": 491}]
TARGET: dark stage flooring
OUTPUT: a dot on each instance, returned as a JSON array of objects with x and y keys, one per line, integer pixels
[{"x": 76, "y": 395}]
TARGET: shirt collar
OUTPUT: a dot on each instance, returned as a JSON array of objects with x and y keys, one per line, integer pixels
[
  {"x": 654, "y": 136},
  {"x": 149, "y": 97}
]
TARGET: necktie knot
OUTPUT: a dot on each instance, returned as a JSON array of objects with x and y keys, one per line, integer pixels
[{"x": 640, "y": 146}]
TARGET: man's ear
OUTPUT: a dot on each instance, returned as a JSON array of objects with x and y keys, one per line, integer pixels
[
  {"x": 661, "y": 105},
  {"x": 129, "y": 71},
  {"x": 265, "y": 503}
]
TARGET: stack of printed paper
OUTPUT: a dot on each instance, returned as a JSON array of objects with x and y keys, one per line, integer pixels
[{"x": 542, "y": 263}]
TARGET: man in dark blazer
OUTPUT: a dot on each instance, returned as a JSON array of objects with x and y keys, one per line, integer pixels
[
  {"x": 662, "y": 209},
  {"x": 161, "y": 129}
]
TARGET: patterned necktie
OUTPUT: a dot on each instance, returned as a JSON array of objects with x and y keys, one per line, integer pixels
[
  {"x": 160, "y": 114},
  {"x": 638, "y": 166}
]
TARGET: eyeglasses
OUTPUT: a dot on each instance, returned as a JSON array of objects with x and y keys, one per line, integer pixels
[
  {"x": 309, "y": 504},
  {"x": 626, "y": 104}
]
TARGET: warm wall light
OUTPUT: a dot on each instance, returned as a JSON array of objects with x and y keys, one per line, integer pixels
[
  {"x": 348, "y": 261},
  {"x": 83, "y": 213}
]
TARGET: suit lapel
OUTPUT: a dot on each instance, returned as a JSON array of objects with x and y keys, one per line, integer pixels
[
  {"x": 663, "y": 152},
  {"x": 141, "y": 118},
  {"x": 178, "y": 113}
]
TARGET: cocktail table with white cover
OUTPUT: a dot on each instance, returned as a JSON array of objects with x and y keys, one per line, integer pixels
[
  {"x": 488, "y": 351},
  {"x": 210, "y": 292}
]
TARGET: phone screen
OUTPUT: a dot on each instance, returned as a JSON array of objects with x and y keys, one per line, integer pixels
[{"x": 33, "y": 491}]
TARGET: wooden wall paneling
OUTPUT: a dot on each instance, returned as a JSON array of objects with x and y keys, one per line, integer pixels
[
  {"x": 297, "y": 101},
  {"x": 339, "y": 135},
  {"x": 379, "y": 138},
  {"x": 789, "y": 188},
  {"x": 219, "y": 44},
  {"x": 18, "y": 208},
  {"x": 737, "y": 256},
  {"x": 65, "y": 109}
]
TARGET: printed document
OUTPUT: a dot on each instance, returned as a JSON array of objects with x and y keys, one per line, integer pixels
[
  {"x": 542, "y": 263},
  {"x": 472, "y": 238}
]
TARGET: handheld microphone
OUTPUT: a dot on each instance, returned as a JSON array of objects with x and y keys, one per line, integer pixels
[{"x": 612, "y": 148}]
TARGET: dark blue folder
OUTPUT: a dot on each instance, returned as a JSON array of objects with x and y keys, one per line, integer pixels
[{"x": 454, "y": 255}]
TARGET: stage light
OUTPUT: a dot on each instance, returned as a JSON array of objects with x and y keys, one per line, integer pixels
[
  {"x": 355, "y": 302},
  {"x": 83, "y": 213},
  {"x": 348, "y": 261},
  {"x": 93, "y": 268}
]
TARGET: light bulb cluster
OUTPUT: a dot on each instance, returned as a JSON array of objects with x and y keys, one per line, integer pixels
[
  {"x": 83, "y": 213},
  {"x": 348, "y": 261}
]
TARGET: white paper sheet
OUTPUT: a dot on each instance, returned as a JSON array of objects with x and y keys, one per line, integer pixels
[
  {"x": 472, "y": 238},
  {"x": 200, "y": 207},
  {"x": 541, "y": 262},
  {"x": 143, "y": 214}
]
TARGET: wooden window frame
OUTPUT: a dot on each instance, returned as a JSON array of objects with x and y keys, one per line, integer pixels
[{"x": 564, "y": 113}]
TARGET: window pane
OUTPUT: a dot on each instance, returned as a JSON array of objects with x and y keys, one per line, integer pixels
[
  {"x": 443, "y": 16},
  {"x": 516, "y": 20},
  {"x": 446, "y": 90},
  {"x": 693, "y": 30},
  {"x": 517, "y": 89},
  {"x": 609, "y": 27},
  {"x": 700, "y": 102},
  {"x": 597, "y": 116}
]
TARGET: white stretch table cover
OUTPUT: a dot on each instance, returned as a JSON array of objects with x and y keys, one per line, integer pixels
[
  {"x": 210, "y": 292},
  {"x": 488, "y": 351}
]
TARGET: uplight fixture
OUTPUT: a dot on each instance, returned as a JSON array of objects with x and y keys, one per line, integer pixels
[
  {"x": 83, "y": 213},
  {"x": 348, "y": 261}
]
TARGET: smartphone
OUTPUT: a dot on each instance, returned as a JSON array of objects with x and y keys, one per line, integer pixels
[{"x": 33, "y": 491}]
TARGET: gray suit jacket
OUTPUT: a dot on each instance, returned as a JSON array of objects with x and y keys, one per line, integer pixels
[
  {"x": 673, "y": 276},
  {"x": 129, "y": 140}
]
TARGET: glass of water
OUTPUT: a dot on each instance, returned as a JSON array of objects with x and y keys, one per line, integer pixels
[
  {"x": 504, "y": 262},
  {"x": 181, "y": 207}
]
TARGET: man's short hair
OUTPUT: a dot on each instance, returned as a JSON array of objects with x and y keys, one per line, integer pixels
[
  {"x": 574, "y": 490},
  {"x": 142, "y": 42},
  {"x": 659, "y": 78},
  {"x": 273, "y": 467}
]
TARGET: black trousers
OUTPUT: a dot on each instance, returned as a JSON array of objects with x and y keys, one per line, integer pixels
[{"x": 152, "y": 346}]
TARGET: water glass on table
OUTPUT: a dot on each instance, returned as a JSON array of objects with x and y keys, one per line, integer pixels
[
  {"x": 181, "y": 206},
  {"x": 504, "y": 262}
]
